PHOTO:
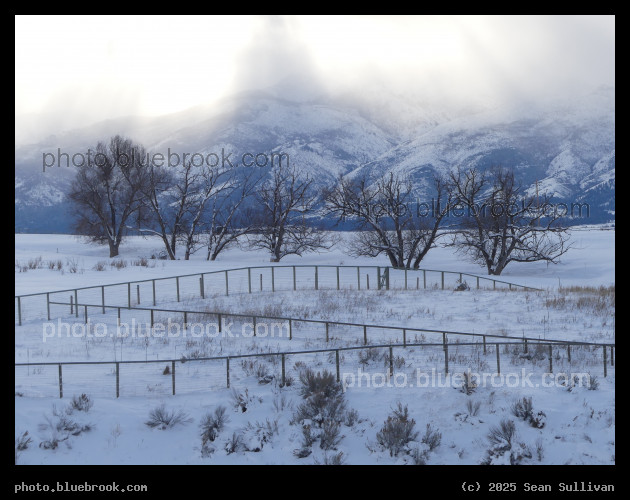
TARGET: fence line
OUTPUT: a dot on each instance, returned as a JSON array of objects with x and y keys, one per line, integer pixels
[
  {"x": 384, "y": 280},
  {"x": 389, "y": 359},
  {"x": 221, "y": 315}
]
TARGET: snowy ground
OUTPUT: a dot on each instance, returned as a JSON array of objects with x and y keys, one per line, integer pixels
[{"x": 579, "y": 426}]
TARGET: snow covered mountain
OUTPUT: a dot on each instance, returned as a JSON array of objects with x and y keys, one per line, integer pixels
[{"x": 568, "y": 147}]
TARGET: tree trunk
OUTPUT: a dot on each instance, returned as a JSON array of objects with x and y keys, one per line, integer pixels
[{"x": 113, "y": 248}]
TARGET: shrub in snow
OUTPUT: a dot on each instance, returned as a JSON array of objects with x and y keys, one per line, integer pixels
[
  {"x": 255, "y": 436},
  {"x": 21, "y": 443},
  {"x": 432, "y": 437},
  {"x": 81, "y": 403},
  {"x": 419, "y": 454},
  {"x": 234, "y": 444},
  {"x": 60, "y": 428},
  {"x": 211, "y": 425},
  {"x": 330, "y": 435},
  {"x": 469, "y": 383},
  {"x": 592, "y": 382},
  {"x": 308, "y": 438},
  {"x": 472, "y": 407},
  {"x": 242, "y": 400},
  {"x": 504, "y": 449},
  {"x": 368, "y": 356},
  {"x": 321, "y": 382},
  {"x": 524, "y": 410},
  {"x": 352, "y": 417},
  {"x": 397, "y": 431},
  {"x": 540, "y": 450},
  {"x": 503, "y": 434},
  {"x": 538, "y": 420},
  {"x": 336, "y": 459},
  {"x": 163, "y": 419},
  {"x": 462, "y": 286}
]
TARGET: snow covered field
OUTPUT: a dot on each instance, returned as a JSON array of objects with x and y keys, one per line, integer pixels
[{"x": 578, "y": 423}]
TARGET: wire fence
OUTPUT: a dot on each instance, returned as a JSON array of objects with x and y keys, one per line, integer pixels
[
  {"x": 379, "y": 364},
  {"x": 37, "y": 306}
]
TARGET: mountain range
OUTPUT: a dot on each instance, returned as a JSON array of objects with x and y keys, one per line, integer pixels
[{"x": 563, "y": 147}]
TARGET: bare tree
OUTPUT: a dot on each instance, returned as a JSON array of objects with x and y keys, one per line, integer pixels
[
  {"x": 387, "y": 221},
  {"x": 504, "y": 225},
  {"x": 106, "y": 192},
  {"x": 229, "y": 216},
  {"x": 279, "y": 224}
]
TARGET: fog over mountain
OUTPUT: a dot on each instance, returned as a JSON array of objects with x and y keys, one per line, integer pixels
[{"x": 352, "y": 96}]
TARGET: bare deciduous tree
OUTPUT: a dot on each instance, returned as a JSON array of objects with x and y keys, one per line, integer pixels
[
  {"x": 229, "y": 217},
  {"x": 503, "y": 224},
  {"x": 387, "y": 221},
  {"x": 280, "y": 226},
  {"x": 106, "y": 192}
]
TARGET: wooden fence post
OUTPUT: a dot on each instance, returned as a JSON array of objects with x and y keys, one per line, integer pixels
[
  {"x": 294, "y": 280},
  {"x": 129, "y": 294},
  {"x": 153, "y": 287},
  {"x": 60, "y": 383},
  {"x": 48, "y": 305},
  {"x": 85, "y": 314},
  {"x": 498, "y": 359},
  {"x": 391, "y": 361},
  {"x": 316, "y": 278},
  {"x": 290, "y": 330},
  {"x": 612, "y": 356},
  {"x": 227, "y": 285},
  {"x": 138, "y": 293},
  {"x": 445, "y": 358},
  {"x": 249, "y": 280},
  {"x": 569, "y": 352},
  {"x": 202, "y": 287},
  {"x": 405, "y": 278},
  {"x": 227, "y": 371},
  {"x": 424, "y": 278},
  {"x": 326, "y": 331},
  {"x": 177, "y": 286},
  {"x": 358, "y": 278},
  {"x": 71, "y": 304},
  {"x": 173, "y": 375},
  {"x": 20, "y": 311},
  {"x": 337, "y": 363},
  {"x": 337, "y": 277},
  {"x": 273, "y": 279},
  {"x": 550, "y": 358},
  {"x": 117, "y": 379},
  {"x": 103, "y": 298},
  {"x": 605, "y": 367},
  {"x": 484, "y": 344},
  {"x": 367, "y": 278},
  {"x": 442, "y": 280},
  {"x": 364, "y": 334},
  {"x": 76, "y": 303},
  {"x": 404, "y": 337},
  {"x": 283, "y": 371}
]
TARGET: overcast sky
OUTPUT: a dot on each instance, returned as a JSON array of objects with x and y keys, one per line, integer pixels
[{"x": 82, "y": 69}]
